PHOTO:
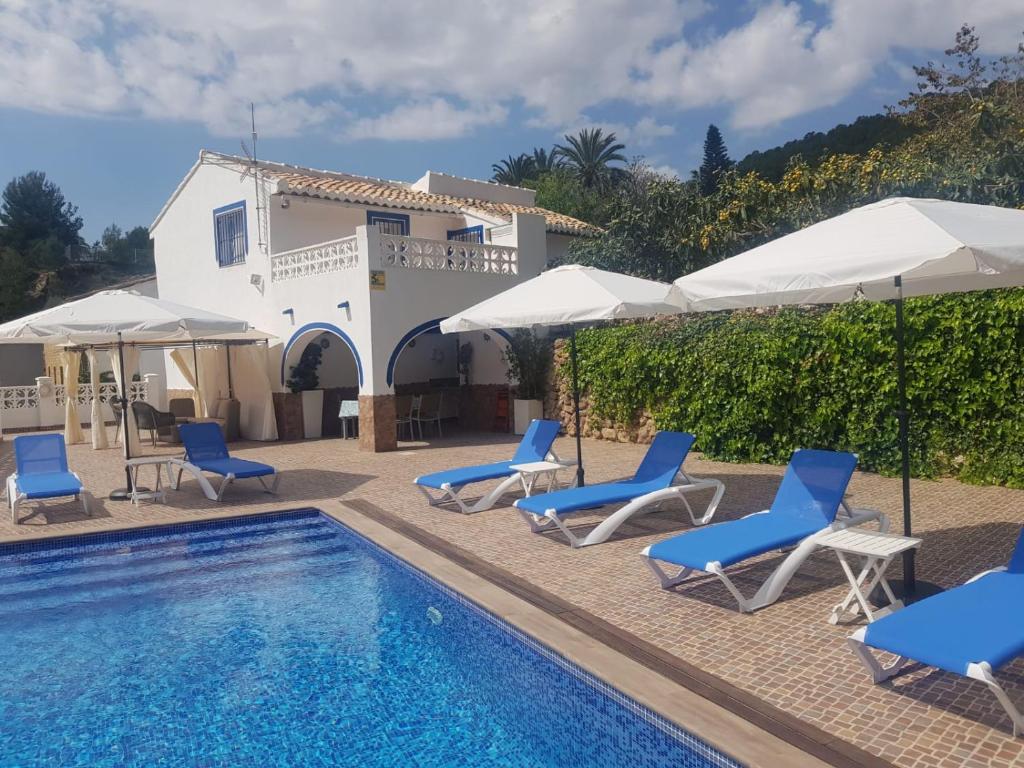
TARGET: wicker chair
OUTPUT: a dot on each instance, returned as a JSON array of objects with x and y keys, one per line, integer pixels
[{"x": 155, "y": 422}]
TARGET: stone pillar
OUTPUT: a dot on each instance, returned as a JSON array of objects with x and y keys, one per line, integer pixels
[
  {"x": 49, "y": 413},
  {"x": 154, "y": 392},
  {"x": 377, "y": 431}
]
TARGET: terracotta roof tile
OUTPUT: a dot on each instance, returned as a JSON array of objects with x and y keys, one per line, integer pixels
[{"x": 355, "y": 189}]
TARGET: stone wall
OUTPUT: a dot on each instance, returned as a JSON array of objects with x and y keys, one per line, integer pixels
[
  {"x": 478, "y": 408},
  {"x": 558, "y": 405}
]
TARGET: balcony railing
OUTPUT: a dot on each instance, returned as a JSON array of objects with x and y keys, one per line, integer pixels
[
  {"x": 332, "y": 256},
  {"x": 396, "y": 251},
  {"x": 447, "y": 255}
]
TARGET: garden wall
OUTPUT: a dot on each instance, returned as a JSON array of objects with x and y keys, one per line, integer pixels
[{"x": 755, "y": 385}]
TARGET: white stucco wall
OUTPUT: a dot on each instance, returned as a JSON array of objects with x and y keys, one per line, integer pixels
[{"x": 374, "y": 321}]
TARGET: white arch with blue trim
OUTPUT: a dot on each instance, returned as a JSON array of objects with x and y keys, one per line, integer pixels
[{"x": 324, "y": 327}]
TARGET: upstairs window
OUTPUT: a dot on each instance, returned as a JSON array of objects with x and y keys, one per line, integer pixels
[
  {"x": 230, "y": 234},
  {"x": 467, "y": 235},
  {"x": 389, "y": 223}
]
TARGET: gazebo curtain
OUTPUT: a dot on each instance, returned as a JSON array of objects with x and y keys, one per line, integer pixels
[
  {"x": 97, "y": 427},
  {"x": 252, "y": 389},
  {"x": 131, "y": 367},
  {"x": 72, "y": 362},
  {"x": 185, "y": 367}
]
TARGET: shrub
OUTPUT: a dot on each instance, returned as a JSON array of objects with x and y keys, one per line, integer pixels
[{"x": 756, "y": 385}]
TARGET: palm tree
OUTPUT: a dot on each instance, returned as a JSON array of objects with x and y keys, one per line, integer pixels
[
  {"x": 514, "y": 170},
  {"x": 589, "y": 155},
  {"x": 544, "y": 161}
]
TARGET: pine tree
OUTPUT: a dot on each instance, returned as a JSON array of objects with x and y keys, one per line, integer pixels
[{"x": 716, "y": 161}]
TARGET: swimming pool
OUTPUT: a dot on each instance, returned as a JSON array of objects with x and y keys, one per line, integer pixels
[{"x": 286, "y": 640}]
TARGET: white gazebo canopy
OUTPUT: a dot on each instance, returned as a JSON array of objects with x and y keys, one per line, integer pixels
[
  {"x": 934, "y": 246},
  {"x": 566, "y": 295},
  {"x": 569, "y": 295},
  {"x": 109, "y": 317},
  {"x": 894, "y": 248},
  {"x": 123, "y": 322}
]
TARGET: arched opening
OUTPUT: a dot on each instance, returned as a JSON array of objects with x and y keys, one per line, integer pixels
[
  {"x": 323, "y": 357},
  {"x": 462, "y": 372}
]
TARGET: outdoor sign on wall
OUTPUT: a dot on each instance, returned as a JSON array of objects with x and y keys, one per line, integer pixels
[{"x": 377, "y": 280}]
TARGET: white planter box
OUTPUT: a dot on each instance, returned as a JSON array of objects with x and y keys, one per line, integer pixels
[
  {"x": 525, "y": 411},
  {"x": 312, "y": 413}
]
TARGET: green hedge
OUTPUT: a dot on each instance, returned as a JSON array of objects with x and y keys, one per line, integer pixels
[{"x": 753, "y": 386}]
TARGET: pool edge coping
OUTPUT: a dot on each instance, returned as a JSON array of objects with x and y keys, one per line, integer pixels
[
  {"x": 731, "y": 721},
  {"x": 541, "y": 612}
]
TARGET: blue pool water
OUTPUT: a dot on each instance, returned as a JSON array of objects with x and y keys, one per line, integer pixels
[{"x": 285, "y": 641}]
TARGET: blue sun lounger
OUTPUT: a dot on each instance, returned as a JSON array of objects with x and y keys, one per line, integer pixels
[
  {"x": 970, "y": 630},
  {"x": 806, "y": 507},
  {"x": 659, "y": 477},
  {"x": 205, "y": 451},
  {"x": 42, "y": 472},
  {"x": 535, "y": 446}
]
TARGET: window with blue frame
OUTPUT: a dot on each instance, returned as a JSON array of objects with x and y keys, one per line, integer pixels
[
  {"x": 230, "y": 234},
  {"x": 468, "y": 234},
  {"x": 389, "y": 223}
]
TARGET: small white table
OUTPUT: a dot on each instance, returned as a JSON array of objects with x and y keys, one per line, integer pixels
[
  {"x": 158, "y": 493},
  {"x": 348, "y": 412},
  {"x": 878, "y": 550},
  {"x": 532, "y": 471}
]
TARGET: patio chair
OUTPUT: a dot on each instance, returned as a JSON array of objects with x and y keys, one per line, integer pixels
[
  {"x": 42, "y": 472},
  {"x": 183, "y": 408},
  {"x": 404, "y": 408},
  {"x": 428, "y": 412},
  {"x": 806, "y": 507},
  {"x": 115, "y": 408},
  {"x": 153, "y": 421},
  {"x": 206, "y": 451},
  {"x": 659, "y": 477},
  {"x": 535, "y": 446},
  {"x": 970, "y": 630}
]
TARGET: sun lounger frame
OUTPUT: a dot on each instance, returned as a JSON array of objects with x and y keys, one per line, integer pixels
[
  {"x": 773, "y": 586},
  {"x": 979, "y": 670},
  {"x": 682, "y": 484},
  {"x": 450, "y": 493}
]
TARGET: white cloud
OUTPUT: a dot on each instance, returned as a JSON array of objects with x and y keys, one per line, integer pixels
[
  {"x": 668, "y": 171},
  {"x": 434, "y": 119},
  {"x": 779, "y": 64},
  {"x": 640, "y": 134},
  {"x": 446, "y": 70}
]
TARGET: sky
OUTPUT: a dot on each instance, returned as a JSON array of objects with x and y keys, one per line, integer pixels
[{"x": 113, "y": 99}]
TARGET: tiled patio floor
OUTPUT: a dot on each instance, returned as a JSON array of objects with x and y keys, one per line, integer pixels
[{"x": 788, "y": 654}]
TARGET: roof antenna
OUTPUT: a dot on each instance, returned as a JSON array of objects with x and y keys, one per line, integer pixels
[{"x": 255, "y": 170}]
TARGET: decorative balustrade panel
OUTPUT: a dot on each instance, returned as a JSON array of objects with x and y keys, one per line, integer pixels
[
  {"x": 448, "y": 256},
  {"x": 333, "y": 256},
  {"x": 19, "y": 398},
  {"x": 138, "y": 390}
]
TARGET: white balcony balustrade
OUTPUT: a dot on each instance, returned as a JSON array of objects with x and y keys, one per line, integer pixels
[
  {"x": 447, "y": 255},
  {"x": 319, "y": 259}
]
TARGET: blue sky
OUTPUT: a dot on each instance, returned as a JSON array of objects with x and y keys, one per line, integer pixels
[{"x": 114, "y": 98}]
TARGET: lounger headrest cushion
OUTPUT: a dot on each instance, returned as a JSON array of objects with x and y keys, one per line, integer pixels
[
  {"x": 536, "y": 443},
  {"x": 40, "y": 453},
  {"x": 665, "y": 456},
  {"x": 203, "y": 441},
  {"x": 814, "y": 484}
]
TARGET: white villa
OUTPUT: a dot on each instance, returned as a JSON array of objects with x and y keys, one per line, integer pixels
[{"x": 364, "y": 267}]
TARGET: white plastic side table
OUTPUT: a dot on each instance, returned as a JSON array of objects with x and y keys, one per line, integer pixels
[
  {"x": 877, "y": 550},
  {"x": 159, "y": 492},
  {"x": 532, "y": 471}
]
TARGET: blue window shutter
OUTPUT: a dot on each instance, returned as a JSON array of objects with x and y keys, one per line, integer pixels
[
  {"x": 389, "y": 223},
  {"x": 231, "y": 236},
  {"x": 467, "y": 234}
]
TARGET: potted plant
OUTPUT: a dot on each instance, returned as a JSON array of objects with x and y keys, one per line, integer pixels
[
  {"x": 304, "y": 380},
  {"x": 528, "y": 358}
]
